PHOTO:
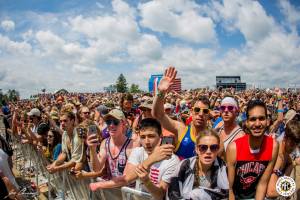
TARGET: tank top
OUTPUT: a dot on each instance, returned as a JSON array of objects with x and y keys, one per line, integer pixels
[
  {"x": 231, "y": 136},
  {"x": 185, "y": 147},
  {"x": 118, "y": 163},
  {"x": 249, "y": 166}
]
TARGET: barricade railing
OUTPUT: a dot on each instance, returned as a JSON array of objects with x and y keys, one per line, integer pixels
[{"x": 61, "y": 183}]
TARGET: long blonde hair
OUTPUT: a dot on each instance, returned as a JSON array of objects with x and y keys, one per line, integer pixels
[{"x": 197, "y": 168}]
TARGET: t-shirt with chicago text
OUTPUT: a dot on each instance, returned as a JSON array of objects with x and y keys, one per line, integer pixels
[
  {"x": 162, "y": 170},
  {"x": 250, "y": 166}
]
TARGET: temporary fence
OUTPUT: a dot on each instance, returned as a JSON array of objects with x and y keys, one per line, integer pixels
[{"x": 62, "y": 185}]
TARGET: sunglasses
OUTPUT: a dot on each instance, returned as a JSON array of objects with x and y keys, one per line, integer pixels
[
  {"x": 115, "y": 122},
  {"x": 86, "y": 113},
  {"x": 229, "y": 108},
  {"x": 213, "y": 148},
  {"x": 204, "y": 110},
  {"x": 50, "y": 136}
]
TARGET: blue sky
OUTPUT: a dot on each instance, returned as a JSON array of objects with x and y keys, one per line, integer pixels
[{"x": 85, "y": 45}]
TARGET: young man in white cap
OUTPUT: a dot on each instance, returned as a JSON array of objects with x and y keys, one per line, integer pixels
[
  {"x": 230, "y": 131},
  {"x": 115, "y": 149},
  {"x": 34, "y": 121}
]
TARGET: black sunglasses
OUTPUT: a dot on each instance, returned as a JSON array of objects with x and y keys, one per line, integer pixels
[
  {"x": 213, "y": 148},
  {"x": 204, "y": 110},
  {"x": 112, "y": 121}
]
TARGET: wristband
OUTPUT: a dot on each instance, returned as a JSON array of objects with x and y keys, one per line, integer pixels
[
  {"x": 278, "y": 172},
  {"x": 280, "y": 111},
  {"x": 160, "y": 94}
]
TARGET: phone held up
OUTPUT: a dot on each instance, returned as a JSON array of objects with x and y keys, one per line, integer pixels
[
  {"x": 92, "y": 129},
  {"x": 167, "y": 140}
]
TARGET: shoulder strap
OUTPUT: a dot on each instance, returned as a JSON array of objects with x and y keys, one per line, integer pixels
[{"x": 232, "y": 135}]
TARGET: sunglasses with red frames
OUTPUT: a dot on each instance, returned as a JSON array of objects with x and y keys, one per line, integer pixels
[
  {"x": 229, "y": 108},
  {"x": 213, "y": 148},
  {"x": 204, "y": 110}
]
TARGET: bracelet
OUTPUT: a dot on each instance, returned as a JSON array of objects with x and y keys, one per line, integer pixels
[
  {"x": 278, "y": 172},
  {"x": 160, "y": 94},
  {"x": 280, "y": 111}
]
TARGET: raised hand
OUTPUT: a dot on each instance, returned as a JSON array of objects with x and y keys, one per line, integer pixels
[{"x": 167, "y": 80}]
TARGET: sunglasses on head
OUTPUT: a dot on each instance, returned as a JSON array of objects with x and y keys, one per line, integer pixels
[
  {"x": 229, "y": 108},
  {"x": 203, "y": 148},
  {"x": 204, "y": 110},
  {"x": 112, "y": 121}
]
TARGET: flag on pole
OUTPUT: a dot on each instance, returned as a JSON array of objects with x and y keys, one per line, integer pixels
[{"x": 155, "y": 84}]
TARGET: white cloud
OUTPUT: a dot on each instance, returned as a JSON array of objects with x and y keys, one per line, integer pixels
[
  {"x": 8, "y": 46},
  {"x": 247, "y": 16},
  {"x": 147, "y": 48},
  {"x": 82, "y": 69},
  {"x": 8, "y": 25},
  {"x": 291, "y": 13},
  {"x": 179, "y": 19},
  {"x": 87, "y": 52}
]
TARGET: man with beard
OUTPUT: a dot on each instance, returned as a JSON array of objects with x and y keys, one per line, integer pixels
[
  {"x": 251, "y": 158},
  {"x": 230, "y": 131},
  {"x": 185, "y": 136}
]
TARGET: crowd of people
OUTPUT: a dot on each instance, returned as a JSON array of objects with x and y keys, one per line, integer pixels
[{"x": 199, "y": 144}]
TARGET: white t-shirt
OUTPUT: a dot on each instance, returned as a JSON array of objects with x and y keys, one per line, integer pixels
[
  {"x": 162, "y": 170},
  {"x": 4, "y": 167}
]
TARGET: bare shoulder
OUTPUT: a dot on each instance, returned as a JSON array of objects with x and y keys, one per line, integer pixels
[
  {"x": 275, "y": 148},
  {"x": 231, "y": 153}
]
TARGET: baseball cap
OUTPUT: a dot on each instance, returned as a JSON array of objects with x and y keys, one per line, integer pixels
[
  {"x": 168, "y": 106},
  {"x": 34, "y": 112},
  {"x": 115, "y": 113},
  {"x": 147, "y": 104},
  {"x": 43, "y": 129},
  {"x": 102, "y": 109}
]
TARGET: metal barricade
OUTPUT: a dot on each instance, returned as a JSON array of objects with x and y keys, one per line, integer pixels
[
  {"x": 64, "y": 185},
  {"x": 132, "y": 194}
]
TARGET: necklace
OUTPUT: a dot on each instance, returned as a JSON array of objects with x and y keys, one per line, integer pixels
[{"x": 204, "y": 181}]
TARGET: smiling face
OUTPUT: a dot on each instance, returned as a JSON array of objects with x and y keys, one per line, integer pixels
[
  {"x": 257, "y": 121},
  {"x": 115, "y": 127}
]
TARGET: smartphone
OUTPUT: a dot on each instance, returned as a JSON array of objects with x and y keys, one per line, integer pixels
[
  {"x": 167, "y": 140},
  {"x": 81, "y": 132},
  {"x": 93, "y": 129}
]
